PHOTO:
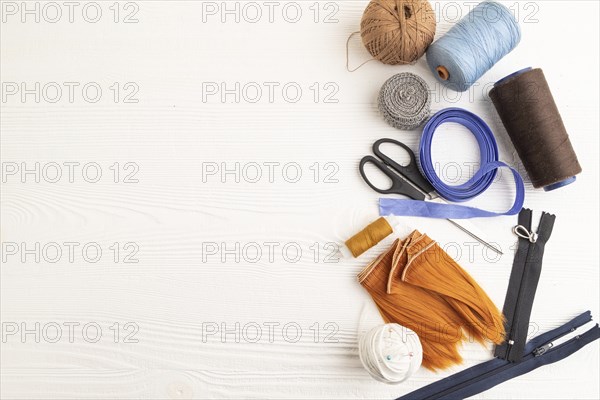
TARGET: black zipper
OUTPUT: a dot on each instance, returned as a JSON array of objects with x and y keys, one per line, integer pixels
[
  {"x": 515, "y": 320},
  {"x": 511, "y": 309},
  {"x": 527, "y": 268}
]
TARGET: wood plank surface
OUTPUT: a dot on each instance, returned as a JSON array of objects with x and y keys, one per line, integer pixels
[{"x": 187, "y": 219}]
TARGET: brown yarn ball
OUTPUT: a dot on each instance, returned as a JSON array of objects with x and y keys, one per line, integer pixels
[{"x": 397, "y": 31}]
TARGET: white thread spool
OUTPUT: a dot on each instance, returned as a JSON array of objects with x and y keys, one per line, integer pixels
[{"x": 390, "y": 353}]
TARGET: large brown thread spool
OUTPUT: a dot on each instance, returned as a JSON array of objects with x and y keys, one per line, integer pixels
[
  {"x": 531, "y": 118},
  {"x": 398, "y": 31}
]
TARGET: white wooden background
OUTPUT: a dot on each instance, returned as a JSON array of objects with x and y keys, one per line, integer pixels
[{"x": 174, "y": 215}]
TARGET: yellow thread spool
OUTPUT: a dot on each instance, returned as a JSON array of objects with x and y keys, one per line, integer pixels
[{"x": 369, "y": 237}]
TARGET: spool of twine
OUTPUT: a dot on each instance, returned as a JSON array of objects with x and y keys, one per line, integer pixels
[
  {"x": 397, "y": 31},
  {"x": 369, "y": 237},
  {"x": 531, "y": 118},
  {"x": 404, "y": 101},
  {"x": 474, "y": 45}
]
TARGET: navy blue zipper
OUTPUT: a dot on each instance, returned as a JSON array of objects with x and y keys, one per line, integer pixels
[
  {"x": 538, "y": 352},
  {"x": 535, "y": 352}
]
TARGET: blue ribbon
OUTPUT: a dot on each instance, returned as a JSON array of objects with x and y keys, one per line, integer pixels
[{"x": 478, "y": 184}]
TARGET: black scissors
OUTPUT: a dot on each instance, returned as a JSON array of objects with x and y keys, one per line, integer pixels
[{"x": 407, "y": 180}]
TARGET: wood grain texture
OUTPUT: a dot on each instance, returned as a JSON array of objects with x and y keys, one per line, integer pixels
[{"x": 195, "y": 235}]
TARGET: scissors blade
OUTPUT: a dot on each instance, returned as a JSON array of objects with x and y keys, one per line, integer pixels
[
  {"x": 405, "y": 187},
  {"x": 432, "y": 195}
]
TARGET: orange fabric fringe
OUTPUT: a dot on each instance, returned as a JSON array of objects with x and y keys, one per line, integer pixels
[{"x": 417, "y": 285}]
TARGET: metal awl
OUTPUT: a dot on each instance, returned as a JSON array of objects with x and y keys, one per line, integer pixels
[{"x": 474, "y": 236}]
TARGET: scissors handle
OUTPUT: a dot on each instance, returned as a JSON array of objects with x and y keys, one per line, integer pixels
[
  {"x": 410, "y": 172},
  {"x": 399, "y": 184}
]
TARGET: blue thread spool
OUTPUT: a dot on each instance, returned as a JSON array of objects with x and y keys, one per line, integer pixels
[{"x": 472, "y": 47}]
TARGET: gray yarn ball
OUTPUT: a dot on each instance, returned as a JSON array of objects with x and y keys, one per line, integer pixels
[{"x": 404, "y": 101}]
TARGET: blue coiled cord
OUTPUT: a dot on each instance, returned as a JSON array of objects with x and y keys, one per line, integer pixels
[
  {"x": 478, "y": 184},
  {"x": 487, "y": 148}
]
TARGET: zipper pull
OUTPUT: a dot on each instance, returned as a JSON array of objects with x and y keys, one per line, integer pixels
[
  {"x": 541, "y": 350},
  {"x": 524, "y": 233},
  {"x": 562, "y": 339}
]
